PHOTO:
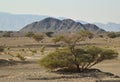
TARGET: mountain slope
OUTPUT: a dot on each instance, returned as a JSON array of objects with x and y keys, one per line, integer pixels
[{"x": 66, "y": 25}]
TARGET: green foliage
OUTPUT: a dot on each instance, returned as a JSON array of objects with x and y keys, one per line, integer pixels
[
  {"x": 29, "y": 34},
  {"x": 38, "y": 37},
  {"x": 80, "y": 58},
  {"x": 56, "y": 59},
  {"x": 49, "y": 34}
]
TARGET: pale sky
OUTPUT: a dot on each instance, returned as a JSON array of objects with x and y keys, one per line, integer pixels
[{"x": 88, "y": 10}]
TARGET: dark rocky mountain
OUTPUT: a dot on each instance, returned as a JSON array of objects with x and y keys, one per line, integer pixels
[{"x": 55, "y": 25}]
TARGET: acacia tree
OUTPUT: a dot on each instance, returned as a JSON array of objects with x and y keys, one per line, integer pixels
[
  {"x": 38, "y": 37},
  {"x": 72, "y": 56}
]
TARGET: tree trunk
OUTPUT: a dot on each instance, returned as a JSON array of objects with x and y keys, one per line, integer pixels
[{"x": 78, "y": 68}]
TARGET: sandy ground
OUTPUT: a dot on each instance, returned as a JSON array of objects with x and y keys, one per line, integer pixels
[{"x": 32, "y": 72}]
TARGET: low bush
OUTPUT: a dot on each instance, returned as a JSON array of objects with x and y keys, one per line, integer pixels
[
  {"x": 29, "y": 34},
  {"x": 38, "y": 37},
  {"x": 1, "y": 48},
  {"x": 113, "y": 34}
]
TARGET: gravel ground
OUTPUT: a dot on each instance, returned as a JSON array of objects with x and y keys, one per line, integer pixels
[{"x": 32, "y": 72}]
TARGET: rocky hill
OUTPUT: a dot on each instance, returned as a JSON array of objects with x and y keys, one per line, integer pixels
[{"x": 55, "y": 25}]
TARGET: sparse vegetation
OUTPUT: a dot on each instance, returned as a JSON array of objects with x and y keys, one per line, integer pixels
[
  {"x": 74, "y": 52},
  {"x": 71, "y": 56},
  {"x": 38, "y": 37},
  {"x": 7, "y": 34},
  {"x": 33, "y": 51},
  {"x": 20, "y": 57},
  {"x": 1, "y": 48},
  {"x": 42, "y": 49},
  {"x": 29, "y": 34},
  {"x": 49, "y": 34},
  {"x": 57, "y": 39},
  {"x": 79, "y": 58},
  {"x": 113, "y": 34}
]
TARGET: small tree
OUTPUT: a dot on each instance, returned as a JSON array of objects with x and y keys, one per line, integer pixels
[
  {"x": 38, "y": 37},
  {"x": 29, "y": 34},
  {"x": 49, "y": 34},
  {"x": 79, "y": 58}
]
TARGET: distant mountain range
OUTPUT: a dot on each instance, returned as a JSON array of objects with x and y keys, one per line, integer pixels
[
  {"x": 17, "y": 21},
  {"x": 109, "y": 26},
  {"x": 57, "y": 25}
]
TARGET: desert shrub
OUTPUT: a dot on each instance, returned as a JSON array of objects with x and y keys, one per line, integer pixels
[
  {"x": 8, "y": 48},
  {"x": 112, "y": 35},
  {"x": 38, "y": 37},
  {"x": 80, "y": 58},
  {"x": 101, "y": 36},
  {"x": 8, "y": 34},
  {"x": 57, "y": 39},
  {"x": 29, "y": 34},
  {"x": 84, "y": 34},
  {"x": 20, "y": 57},
  {"x": 42, "y": 49},
  {"x": 49, "y": 34},
  {"x": 33, "y": 51},
  {"x": 1, "y": 48}
]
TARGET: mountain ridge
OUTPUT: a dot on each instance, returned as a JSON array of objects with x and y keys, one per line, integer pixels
[{"x": 55, "y": 25}]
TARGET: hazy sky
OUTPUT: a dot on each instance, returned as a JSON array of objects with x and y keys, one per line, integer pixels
[{"x": 87, "y": 10}]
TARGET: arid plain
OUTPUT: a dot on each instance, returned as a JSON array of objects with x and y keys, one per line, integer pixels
[{"x": 30, "y": 71}]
